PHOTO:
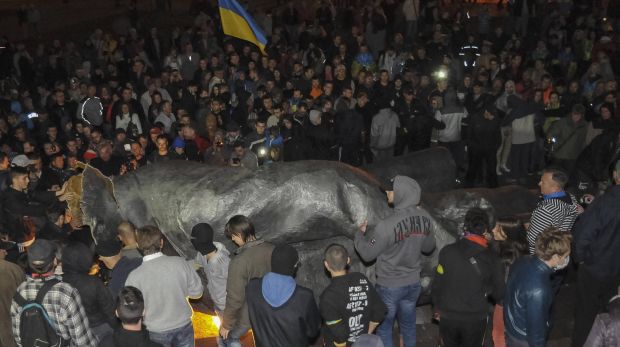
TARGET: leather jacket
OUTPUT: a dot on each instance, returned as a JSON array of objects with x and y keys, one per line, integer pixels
[{"x": 528, "y": 301}]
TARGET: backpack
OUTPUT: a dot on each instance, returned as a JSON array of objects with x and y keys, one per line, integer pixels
[{"x": 35, "y": 326}]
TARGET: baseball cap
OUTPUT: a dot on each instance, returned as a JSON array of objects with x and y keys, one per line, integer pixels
[
  {"x": 21, "y": 161},
  {"x": 41, "y": 253}
]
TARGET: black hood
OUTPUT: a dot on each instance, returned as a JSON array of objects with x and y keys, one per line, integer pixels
[{"x": 76, "y": 258}]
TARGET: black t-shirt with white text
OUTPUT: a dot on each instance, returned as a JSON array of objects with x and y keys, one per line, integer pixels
[{"x": 348, "y": 305}]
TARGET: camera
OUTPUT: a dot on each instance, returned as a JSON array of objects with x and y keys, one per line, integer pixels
[{"x": 33, "y": 115}]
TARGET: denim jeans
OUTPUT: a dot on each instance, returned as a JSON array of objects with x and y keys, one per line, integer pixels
[
  {"x": 401, "y": 303},
  {"x": 179, "y": 337}
]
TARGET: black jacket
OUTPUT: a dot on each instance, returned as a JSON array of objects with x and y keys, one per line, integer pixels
[
  {"x": 293, "y": 323},
  {"x": 127, "y": 338},
  {"x": 419, "y": 122},
  {"x": 461, "y": 289},
  {"x": 319, "y": 142},
  {"x": 596, "y": 238},
  {"x": 484, "y": 134},
  {"x": 16, "y": 205},
  {"x": 96, "y": 298}
]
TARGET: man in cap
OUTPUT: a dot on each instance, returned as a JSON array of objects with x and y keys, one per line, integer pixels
[
  {"x": 282, "y": 313},
  {"x": 596, "y": 240},
  {"x": 416, "y": 123},
  {"x": 396, "y": 242},
  {"x": 62, "y": 302},
  {"x": 120, "y": 267}
]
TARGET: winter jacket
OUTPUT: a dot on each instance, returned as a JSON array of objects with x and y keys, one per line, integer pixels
[
  {"x": 397, "y": 241},
  {"x": 349, "y": 127},
  {"x": 251, "y": 260},
  {"x": 383, "y": 129},
  {"x": 594, "y": 161},
  {"x": 418, "y": 121},
  {"x": 527, "y": 302},
  {"x": 319, "y": 141},
  {"x": 570, "y": 138},
  {"x": 451, "y": 115},
  {"x": 606, "y": 328},
  {"x": 96, "y": 298},
  {"x": 468, "y": 274},
  {"x": 282, "y": 313},
  {"x": 596, "y": 238},
  {"x": 484, "y": 134},
  {"x": 216, "y": 270}
]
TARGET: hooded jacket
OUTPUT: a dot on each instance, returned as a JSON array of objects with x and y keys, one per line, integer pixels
[
  {"x": 521, "y": 119},
  {"x": 397, "y": 241},
  {"x": 96, "y": 298},
  {"x": 216, "y": 270},
  {"x": 451, "y": 115},
  {"x": 281, "y": 312},
  {"x": 383, "y": 129}
]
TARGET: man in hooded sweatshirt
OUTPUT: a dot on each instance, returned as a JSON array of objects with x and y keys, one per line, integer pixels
[
  {"x": 383, "y": 131},
  {"x": 214, "y": 259},
  {"x": 282, "y": 313},
  {"x": 452, "y": 115},
  {"x": 396, "y": 242}
]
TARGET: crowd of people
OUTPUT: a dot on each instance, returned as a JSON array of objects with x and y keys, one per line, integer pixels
[{"x": 511, "y": 90}]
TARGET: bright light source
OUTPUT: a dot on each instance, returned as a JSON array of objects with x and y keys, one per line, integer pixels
[
  {"x": 262, "y": 152},
  {"x": 216, "y": 321},
  {"x": 441, "y": 74},
  {"x": 205, "y": 325}
]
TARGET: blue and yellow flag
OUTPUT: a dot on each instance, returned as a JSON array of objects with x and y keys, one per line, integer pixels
[{"x": 238, "y": 23}]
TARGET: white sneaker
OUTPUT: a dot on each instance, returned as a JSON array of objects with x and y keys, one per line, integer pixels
[
  {"x": 505, "y": 168},
  {"x": 499, "y": 171}
]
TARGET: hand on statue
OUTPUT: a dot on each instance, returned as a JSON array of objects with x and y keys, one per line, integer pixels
[{"x": 363, "y": 227}]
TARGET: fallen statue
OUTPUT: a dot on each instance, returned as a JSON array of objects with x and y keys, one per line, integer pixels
[{"x": 309, "y": 204}]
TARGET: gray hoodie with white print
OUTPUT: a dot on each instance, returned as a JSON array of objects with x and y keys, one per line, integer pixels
[{"x": 398, "y": 240}]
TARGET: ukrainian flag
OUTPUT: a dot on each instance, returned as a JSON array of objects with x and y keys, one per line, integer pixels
[{"x": 238, "y": 23}]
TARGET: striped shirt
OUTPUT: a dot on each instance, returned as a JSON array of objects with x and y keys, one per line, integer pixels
[
  {"x": 64, "y": 307},
  {"x": 553, "y": 212}
]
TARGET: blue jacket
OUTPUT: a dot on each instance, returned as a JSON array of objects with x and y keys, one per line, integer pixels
[{"x": 528, "y": 301}]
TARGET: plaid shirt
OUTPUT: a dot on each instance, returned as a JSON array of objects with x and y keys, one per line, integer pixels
[{"x": 64, "y": 307}]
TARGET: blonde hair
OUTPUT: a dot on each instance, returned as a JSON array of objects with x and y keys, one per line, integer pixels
[{"x": 552, "y": 241}]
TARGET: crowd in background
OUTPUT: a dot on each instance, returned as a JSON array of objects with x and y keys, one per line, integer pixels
[{"x": 509, "y": 89}]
